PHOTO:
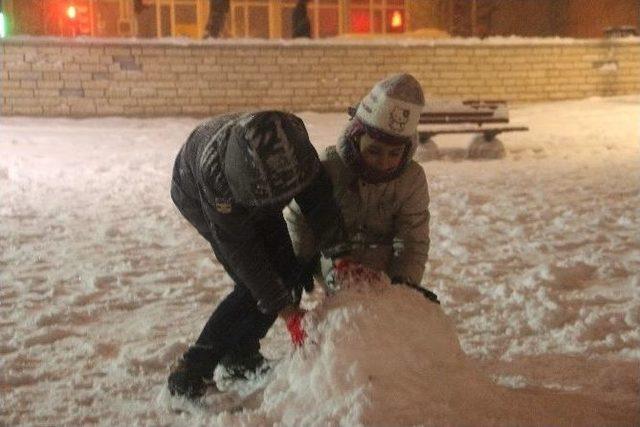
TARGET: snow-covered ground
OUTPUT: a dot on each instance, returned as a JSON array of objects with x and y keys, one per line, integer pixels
[{"x": 535, "y": 257}]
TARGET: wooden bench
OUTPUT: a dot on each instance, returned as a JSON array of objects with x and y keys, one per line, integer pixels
[{"x": 488, "y": 118}]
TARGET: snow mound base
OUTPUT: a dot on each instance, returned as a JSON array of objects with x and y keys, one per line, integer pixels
[
  {"x": 375, "y": 354},
  {"x": 382, "y": 354}
]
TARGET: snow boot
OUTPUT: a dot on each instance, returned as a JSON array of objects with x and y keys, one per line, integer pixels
[
  {"x": 243, "y": 367},
  {"x": 192, "y": 373}
]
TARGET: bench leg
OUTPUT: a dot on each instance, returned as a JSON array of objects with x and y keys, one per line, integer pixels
[
  {"x": 483, "y": 148},
  {"x": 427, "y": 150}
]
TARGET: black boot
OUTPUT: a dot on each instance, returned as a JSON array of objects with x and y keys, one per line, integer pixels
[
  {"x": 242, "y": 367},
  {"x": 190, "y": 375}
]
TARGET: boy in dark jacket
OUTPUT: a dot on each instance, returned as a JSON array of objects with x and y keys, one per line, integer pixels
[{"x": 231, "y": 180}]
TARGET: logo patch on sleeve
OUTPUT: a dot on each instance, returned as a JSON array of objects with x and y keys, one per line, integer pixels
[{"x": 223, "y": 205}]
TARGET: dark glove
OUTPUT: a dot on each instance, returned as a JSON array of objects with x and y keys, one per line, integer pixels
[
  {"x": 431, "y": 296},
  {"x": 337, "y": 251},
  {"x": 302, "y": 278},
  {"x": 306, "y": 276}
]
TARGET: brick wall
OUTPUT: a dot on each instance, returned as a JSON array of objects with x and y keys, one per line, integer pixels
[{"x": 49, "y": 77}]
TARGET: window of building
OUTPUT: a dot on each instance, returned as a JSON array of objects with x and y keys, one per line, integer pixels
[
  {"x": 286, "y": 18},
  {"x": 360, "y": 16},
  {"x": 146, "y": 20},
  {"x": 250, "y": 18},
  {"x": 377, "y": 16},
  {"x": 169, "y": 18},
  {"x": 324, "y": 16},
  {"x": 186, "y": 19},
  {"x": 155, "y": 21},
  {"x": 107, "y": 16}
]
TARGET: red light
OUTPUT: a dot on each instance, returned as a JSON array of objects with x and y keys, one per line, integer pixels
[
  {"x": 72, "y": 12},
  {"x": 360, "y": 21},
  {"x": 396, "y": 20}
]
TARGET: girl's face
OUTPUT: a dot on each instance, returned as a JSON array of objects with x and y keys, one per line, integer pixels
[{"x": 380, "y": 156}]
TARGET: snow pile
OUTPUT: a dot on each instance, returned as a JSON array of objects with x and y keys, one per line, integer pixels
[{"x": 379, "y": 354}]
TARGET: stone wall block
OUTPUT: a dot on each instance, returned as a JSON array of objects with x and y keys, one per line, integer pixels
[
  {"x": 24, "y": 75},
  {"x": 16, "y": 93},
  {"x": 11, "y": 84},
  {"x": 21, "y": 110},
  {"x": 117, "y": 51},
  {"x": 72, "y": 92}
]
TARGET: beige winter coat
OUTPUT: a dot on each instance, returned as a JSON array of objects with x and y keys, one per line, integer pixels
[{"x": 387, "y": 223}]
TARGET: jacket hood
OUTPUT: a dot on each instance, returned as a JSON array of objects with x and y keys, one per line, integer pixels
[{"x": 269, "y": 159}]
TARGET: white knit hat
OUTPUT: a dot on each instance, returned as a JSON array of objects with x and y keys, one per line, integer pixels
[{"x": 393, "y": 106}]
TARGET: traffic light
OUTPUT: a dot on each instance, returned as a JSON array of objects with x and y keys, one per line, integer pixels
[
  {"x": 3, "y": 25},
  {"x": 3, "y": 22}
]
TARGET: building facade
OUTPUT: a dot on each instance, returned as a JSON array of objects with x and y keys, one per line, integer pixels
[
  {"x": 329, "y": 18},
  {"x": 175, "y": 18}
]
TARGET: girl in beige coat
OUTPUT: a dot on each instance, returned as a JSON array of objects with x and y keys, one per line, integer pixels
[{"x": 381, "y": 191}]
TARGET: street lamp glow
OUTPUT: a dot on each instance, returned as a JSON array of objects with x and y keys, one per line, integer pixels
[
  {"x": 396, "y": 19},
  {"x": 72, "y": 12}
]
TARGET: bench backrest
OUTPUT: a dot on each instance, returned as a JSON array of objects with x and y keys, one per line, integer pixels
[
  {"x": 468, "y": 111},
  {"x": 428, "y": 118}
]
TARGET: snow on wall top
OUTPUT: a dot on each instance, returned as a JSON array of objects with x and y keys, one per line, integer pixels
[{"x": 368, "y": 41}]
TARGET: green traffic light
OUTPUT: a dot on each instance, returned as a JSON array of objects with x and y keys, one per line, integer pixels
[{"x": 3, "y": 26}]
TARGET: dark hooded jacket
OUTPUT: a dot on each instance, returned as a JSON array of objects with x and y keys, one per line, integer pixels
[{"x": 231, "y": 180}]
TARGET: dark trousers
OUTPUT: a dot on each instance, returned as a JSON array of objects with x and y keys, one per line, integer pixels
[{"x": 236, "y": 326}]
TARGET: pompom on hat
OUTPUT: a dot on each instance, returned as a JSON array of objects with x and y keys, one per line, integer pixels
[{"x": 391, "y": 111}]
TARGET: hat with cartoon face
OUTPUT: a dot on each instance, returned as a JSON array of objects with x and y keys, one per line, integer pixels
[{"x": 391, "y": 111}]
